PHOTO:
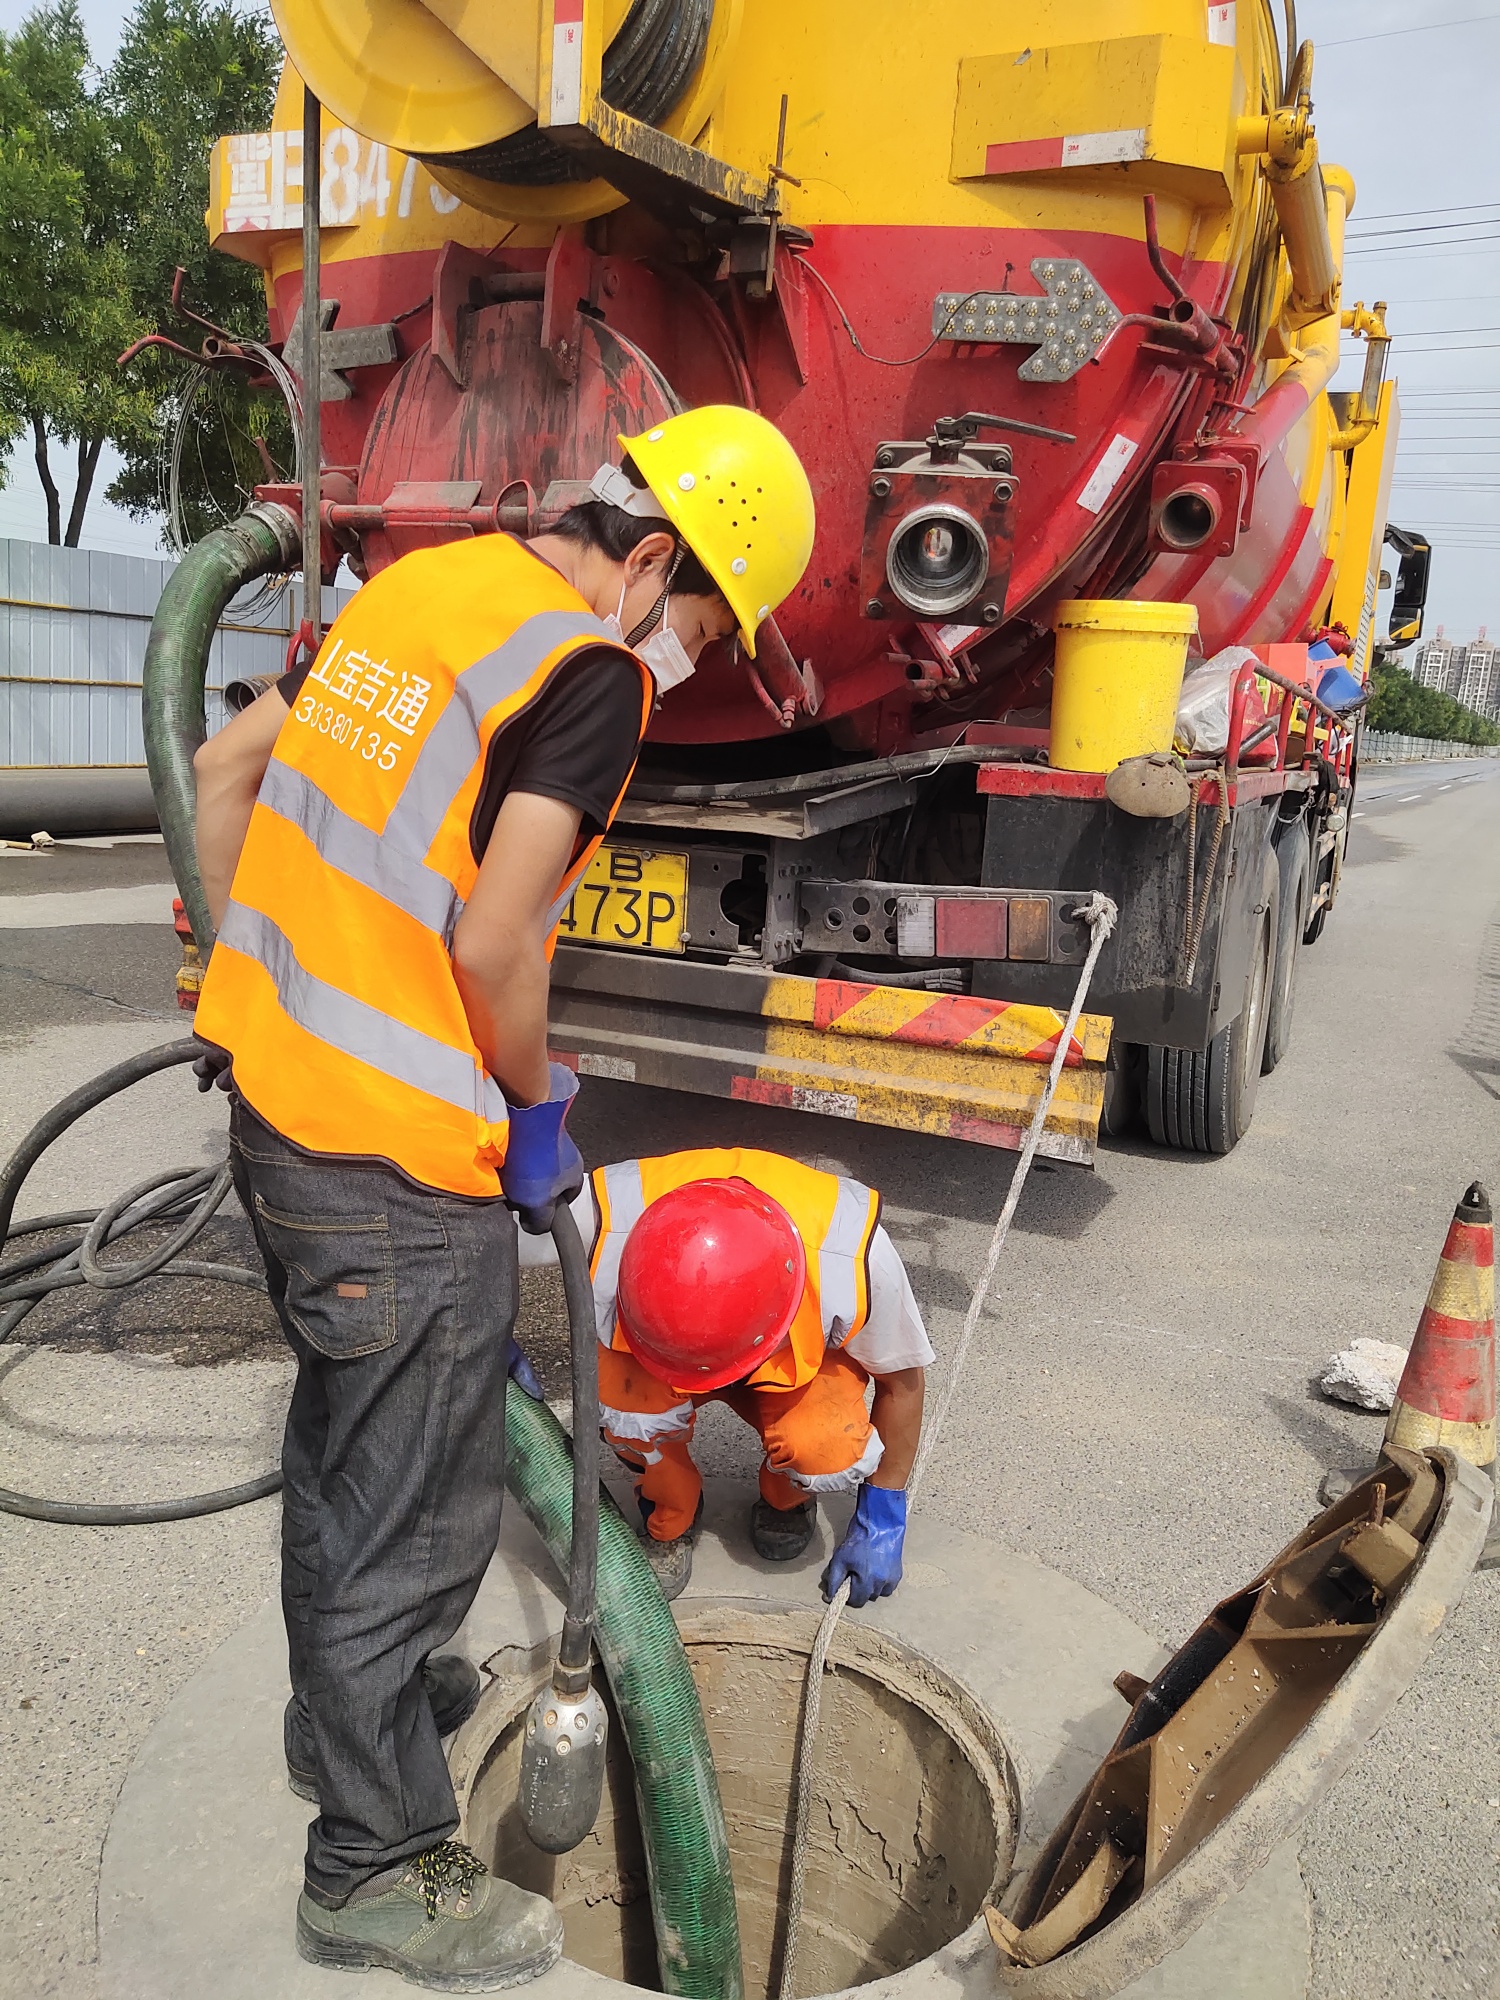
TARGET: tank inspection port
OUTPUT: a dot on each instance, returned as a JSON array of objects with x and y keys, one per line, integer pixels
[{"x": 913, "y": 1821}]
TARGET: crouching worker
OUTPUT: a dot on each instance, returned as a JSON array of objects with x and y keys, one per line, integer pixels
[{"x": 745, "y": 1278}]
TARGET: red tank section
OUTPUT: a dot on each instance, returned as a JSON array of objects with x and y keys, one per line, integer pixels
[{"x": 524, "y": 368}]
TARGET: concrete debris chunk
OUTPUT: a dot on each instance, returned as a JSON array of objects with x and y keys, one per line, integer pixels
[{"x": 1364, "y": 1373}]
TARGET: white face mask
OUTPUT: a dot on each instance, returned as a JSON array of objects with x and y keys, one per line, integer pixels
[
  {"x": 666, "y": 656},
  {"x": 612, "y": 623},
  {"x": 664, "y": 653}
]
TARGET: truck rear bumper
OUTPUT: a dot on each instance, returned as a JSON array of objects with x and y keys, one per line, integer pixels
[{"x": 951, "y": 1064}]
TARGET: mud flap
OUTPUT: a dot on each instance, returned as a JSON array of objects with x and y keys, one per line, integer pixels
[
  {"x": 1245, "y": 1729},
  {"x": 947, "y": 1063}
]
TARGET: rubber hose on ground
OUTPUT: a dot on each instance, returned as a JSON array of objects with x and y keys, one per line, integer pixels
[
  {"x": 682, "y": 1817},
  {"x": 48, "y": 1129},
  {"x": 263, "y": 540}
]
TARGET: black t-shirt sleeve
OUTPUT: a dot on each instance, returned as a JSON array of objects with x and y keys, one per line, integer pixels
[
  {"x": 576, "y": 743},
  {"x": 289, "y": 685}
]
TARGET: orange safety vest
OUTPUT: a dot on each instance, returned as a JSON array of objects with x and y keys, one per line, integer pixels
[
  {"x": 331, "y": 983},
  {"x": 834, "y": 1216}
]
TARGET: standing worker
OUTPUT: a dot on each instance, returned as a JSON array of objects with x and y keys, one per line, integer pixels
[
  {"x": 387, "y": 844},
  {"x": 745, "y": 1278}
]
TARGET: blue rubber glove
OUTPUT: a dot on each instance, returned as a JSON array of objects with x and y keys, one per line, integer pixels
[
  {"x": 542, "y": 1165},
  {"x": 521, "y": 1372},
  {"x": 870, "y": 1553}
]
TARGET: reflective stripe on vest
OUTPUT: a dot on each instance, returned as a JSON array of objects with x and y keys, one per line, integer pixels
[
  {"x": 332, "y": 983},
  {"x": 835, "y": 1217}
]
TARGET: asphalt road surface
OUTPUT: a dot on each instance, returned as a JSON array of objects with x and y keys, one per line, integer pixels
[{"x": 1140, "y": 1411}]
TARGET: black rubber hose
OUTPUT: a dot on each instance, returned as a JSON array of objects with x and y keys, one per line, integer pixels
[
  {"x": 583, "y": 1340},
  {"x": 30, "y": 1278},
  {"x": 263, "y": 540},
  {"x": 68, "y": 1110}
]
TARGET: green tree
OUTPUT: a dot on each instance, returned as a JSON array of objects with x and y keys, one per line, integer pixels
[
  {"x": 187, "y": 72},
  {"x": 65, "y": 298},
  {"x": 1405, "y": 709}
]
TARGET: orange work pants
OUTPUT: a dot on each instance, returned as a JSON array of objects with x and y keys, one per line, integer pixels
[{"x": 816, "y": 1437}]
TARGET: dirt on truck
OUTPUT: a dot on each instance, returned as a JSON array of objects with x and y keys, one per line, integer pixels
[{"x": 1048, "y": 298}]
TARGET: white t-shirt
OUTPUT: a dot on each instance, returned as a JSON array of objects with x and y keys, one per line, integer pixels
[{"x": 892, "y": 1338}]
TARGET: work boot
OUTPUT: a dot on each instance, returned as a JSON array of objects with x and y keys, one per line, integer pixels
[
  {"x": 442, "y": 1921},
  {"x": 671, "y": 1562},
  {"x": 780, "y": 1534},
  {"x": 452, "y": 1686}
]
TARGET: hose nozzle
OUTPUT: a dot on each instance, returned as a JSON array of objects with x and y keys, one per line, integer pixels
[{"x": 562, "y": 1764}]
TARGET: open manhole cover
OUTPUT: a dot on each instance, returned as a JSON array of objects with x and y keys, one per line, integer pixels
[{"x": 913, "y": 1823}]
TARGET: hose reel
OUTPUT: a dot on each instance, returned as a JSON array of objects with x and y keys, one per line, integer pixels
[{"x": 647, "y": 67}]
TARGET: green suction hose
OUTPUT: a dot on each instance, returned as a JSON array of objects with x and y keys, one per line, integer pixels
[
  {"x": 263, "y": 539},
  {"x": 682, "y": 1818}
]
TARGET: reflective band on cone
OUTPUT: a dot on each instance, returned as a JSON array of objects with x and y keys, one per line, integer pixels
[{"x": 1447, "y": 1390}]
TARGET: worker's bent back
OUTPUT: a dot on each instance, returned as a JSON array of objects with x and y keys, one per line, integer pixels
[{"x": 332, "y": 983}]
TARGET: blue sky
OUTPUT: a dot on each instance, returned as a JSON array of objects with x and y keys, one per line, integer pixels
[{"x": 1404, "y": 99}]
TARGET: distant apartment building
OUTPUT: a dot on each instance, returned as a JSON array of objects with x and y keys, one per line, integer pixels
[{"x": 1470, "y": 671}]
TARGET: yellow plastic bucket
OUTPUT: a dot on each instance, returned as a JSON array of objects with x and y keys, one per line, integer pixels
[{"x": 1116, "y": 678}]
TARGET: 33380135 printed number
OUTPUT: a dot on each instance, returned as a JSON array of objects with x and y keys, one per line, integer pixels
[{"x": 342, "y": 729}]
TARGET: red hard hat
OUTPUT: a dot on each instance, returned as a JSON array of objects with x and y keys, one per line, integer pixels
[{"x": 710, "y": 1281}]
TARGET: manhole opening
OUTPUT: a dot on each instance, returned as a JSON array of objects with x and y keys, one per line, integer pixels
[{"x": 913, "y": 1822}]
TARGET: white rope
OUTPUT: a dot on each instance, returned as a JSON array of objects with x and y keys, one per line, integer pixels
[{"x": 1099, "y": 913}]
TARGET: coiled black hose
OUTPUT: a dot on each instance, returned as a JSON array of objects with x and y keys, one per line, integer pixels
[
  {"x": 646, "y": 69},
  {"x": 194, "y": 1194}
]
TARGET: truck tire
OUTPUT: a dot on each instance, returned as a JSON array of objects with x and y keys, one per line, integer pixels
[
  {"x": 1202, "y": 1100},
  {"x": 1295, "y": 858},
  {"x": 1124, "y": 1083}
]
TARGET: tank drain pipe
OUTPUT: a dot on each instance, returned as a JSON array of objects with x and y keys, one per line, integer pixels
[
  {"x": 1099, "y": 913},
  {"x": 562, "y": 1752}
]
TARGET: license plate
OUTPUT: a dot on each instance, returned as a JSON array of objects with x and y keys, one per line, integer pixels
[{"x": 630, "y": 897}]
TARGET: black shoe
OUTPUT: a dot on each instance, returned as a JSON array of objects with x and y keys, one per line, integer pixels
[
  {"x": 452, "y": 1687},
  {"x": 671, "y": 1562},
  {"x": 781, "y": 1534}
]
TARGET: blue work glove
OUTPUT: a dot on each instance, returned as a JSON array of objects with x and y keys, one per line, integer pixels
[
  {"x": 870, "y": 1553},
  {"x": 542, "y": 1165},
  {"x": 212, "y": 1067},
  {"x": 520, "y": 1370}
]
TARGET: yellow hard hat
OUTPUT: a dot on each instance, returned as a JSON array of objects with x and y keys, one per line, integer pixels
[{"x": 734, "y": 489}]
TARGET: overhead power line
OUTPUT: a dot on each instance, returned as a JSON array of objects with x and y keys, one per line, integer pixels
[
  {"x": 1427, "y": 28},
  {"x": 1414, "y": 229},
  {"x": 1448, "y": 208}
]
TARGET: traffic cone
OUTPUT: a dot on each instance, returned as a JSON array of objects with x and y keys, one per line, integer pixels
[{"x": 1446, "y": 1394}]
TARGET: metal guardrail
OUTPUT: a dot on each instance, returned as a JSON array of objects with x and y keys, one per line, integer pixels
[{"x": 1378, "y": 746}]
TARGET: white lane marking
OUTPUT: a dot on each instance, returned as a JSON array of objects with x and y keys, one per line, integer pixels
[
  {"x": 1407, "y": 797},
  {"x": 146, "y": 903},
  {"x": 1359, "y": 815}
]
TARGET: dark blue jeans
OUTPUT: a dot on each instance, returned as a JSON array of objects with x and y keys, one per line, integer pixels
[{"x": 398, "y": 1302}]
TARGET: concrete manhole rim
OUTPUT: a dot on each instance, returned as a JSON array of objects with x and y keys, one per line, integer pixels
[
  {"x": 202, "y": 1860},
  {"x": 918, "y": 1677}
]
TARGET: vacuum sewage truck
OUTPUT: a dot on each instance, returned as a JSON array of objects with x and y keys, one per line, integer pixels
[{"x": 1047, "y": 296}]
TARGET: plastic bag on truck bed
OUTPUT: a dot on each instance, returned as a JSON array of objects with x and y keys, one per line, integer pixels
[{"x": 1203, "y": 707}]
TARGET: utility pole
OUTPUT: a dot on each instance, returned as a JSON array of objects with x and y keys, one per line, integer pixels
[{"x": 312, "y": 369}]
